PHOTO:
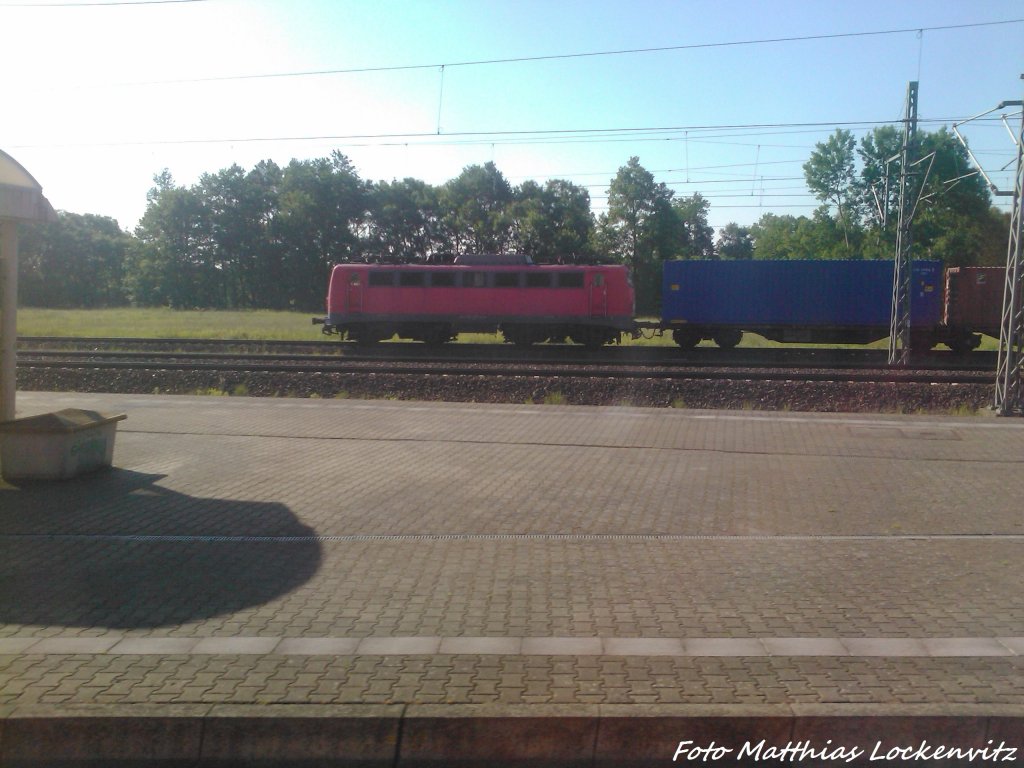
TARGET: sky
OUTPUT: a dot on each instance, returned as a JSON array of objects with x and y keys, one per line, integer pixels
[{"x": 101, "y": 96}]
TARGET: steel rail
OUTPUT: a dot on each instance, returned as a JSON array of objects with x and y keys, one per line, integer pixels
[
  {"x": 832, "y": 358},
  {"x": 519, "y": 371}
]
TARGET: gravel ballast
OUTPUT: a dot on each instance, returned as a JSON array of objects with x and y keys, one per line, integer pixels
[{"x": 828, "y": 396}]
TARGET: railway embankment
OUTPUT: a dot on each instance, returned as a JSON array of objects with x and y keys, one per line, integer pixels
[{"x": 736, "y": 392}]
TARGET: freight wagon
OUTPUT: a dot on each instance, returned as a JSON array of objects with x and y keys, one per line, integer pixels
[
  {"x": 972, "y": 304},
  {"x": 827, "y": 302}
]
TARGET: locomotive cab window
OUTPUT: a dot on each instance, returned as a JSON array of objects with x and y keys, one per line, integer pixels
[
  {"x": 538, "y": 279},
  {"x": 381, "y": 279},
  {"x": 353, "y": 279},
  {"x": 442, "y": 279},
  {"x": 474, "y": 280},
  {"x": 570, "y": 279},
  {"x": 598, "y": 279},
  {"x": 506, "y": 280},
  {"x": 411, "y": 279}
]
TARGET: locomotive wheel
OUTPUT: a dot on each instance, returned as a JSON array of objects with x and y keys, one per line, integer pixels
[
  {"x": 369, "y": 334},
  {"x": 436, "y": 336},
  {"x": 686, "y": 338},
  {"x": 728, "y": 338},
  {"x": 592, "y": 338},
  {"x": 522, "y": 336}
]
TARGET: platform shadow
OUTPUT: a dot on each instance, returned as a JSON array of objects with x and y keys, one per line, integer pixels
[{"x": 118, "y": 550}]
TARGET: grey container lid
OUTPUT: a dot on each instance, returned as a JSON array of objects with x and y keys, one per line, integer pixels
[{"x": 65, "y": 421}]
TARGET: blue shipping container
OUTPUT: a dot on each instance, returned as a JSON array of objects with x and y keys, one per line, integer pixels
[{"x": 752, "y": 294}]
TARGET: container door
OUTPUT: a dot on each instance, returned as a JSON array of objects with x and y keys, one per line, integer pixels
[{"x": 598, "y": 296}]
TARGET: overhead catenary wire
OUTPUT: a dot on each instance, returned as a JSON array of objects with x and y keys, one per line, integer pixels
[
  {"x": 578, "y": 55},
  {"x": 492, "y": 137},
  {"x": 98, "y": 3}
]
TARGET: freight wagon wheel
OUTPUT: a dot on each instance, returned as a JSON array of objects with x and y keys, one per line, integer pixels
[
  {"x": 729, "y": 338},
  {"x": 965, "y": 344},
  {"x": 686, "y": 338}
]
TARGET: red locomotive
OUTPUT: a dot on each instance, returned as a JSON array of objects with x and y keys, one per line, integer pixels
[{"x": 590, "y": 305}]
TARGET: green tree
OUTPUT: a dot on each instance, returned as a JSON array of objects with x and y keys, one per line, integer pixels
[
  {"x": 403, "y": 224},
  {"x": 953, "y": 221},
  {"x": 830, "y": 175},
  {"x": 76, "y": 261},
  {"x": 323, "y": 207},
  {"x": 477, "y": 214},
  {"x": 694, "y": 238},
  {"x": 239, "y": 207},
  {"x": 798, "y": 237},
  {"x": 735, "y": 242},
  {"x": 638, "y": 228},
  {"x": 878, "y": 185},
  {"x": 553, "y": 223},
  {"x": 170, "y": 263}
]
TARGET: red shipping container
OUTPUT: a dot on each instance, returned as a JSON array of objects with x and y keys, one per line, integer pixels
[{"x": 974, "y": 298}]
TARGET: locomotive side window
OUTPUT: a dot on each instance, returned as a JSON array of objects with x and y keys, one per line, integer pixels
[
  {"x": 411, "y": 279},
  {"x": 474, "y": 280},
  {"x": 538, "y": 279},
  {"x": 353, "y": 279},
  {"x": 506, "y": 280},
  {"x": 382, "y": 278},
  {"x": 598, "y": 279},
  {"x": 570, "y": 279},
  {"x": 442, "y": 279}
]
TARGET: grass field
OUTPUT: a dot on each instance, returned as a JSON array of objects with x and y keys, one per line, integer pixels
[
  {"x": 168, "y": 323},
  {"x": 257, "y": 324}
]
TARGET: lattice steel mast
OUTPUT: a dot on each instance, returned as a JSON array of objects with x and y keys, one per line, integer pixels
[
  {"x": 899, "y": 318},
  {"x": 1010, "y": 368},
  {"x": 1009, "y": 394}
]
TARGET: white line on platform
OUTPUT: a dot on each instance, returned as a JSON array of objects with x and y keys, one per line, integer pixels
[{"x": 751, "y": 647}]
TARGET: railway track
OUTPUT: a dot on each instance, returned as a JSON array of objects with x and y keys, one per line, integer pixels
[
  {"x": 238, "y": 353},
  {"x": 822, "y": 379},
  {"x": 551, "y": 363}
]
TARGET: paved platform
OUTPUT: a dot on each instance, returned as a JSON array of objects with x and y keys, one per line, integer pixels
[{"x": 394, "y": 583}]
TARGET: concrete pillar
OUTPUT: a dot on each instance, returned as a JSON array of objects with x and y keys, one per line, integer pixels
[{"x": 8, "y": 315}]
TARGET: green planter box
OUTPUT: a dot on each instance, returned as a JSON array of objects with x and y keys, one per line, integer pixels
[{"x": 56, "y": 446}]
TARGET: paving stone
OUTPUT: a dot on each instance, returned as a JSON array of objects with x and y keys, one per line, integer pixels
[
  {"x": 508, "y": 646},
  {"x": 724, "y": 646},
  {"x": 236, "y": 645},
  {"x": 966, "y": 646},
  {"x": 156, "y": 646},
  {"x": 312, "y": 646},
  {"x": 62, "y": 645},
  {"x": 396, "y": 645},
  {"x": 569, "y": 554}
]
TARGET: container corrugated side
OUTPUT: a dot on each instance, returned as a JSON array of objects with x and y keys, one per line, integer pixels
[{"x": 795, "y": 293}]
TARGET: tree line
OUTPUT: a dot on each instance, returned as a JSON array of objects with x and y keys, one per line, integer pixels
[{"x": 266, "y": 237}]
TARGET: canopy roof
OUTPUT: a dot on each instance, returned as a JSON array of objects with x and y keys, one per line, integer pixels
[{"x": 21, "y": 196}]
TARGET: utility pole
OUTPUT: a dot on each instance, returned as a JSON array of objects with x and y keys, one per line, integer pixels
[
  {"x": 899, "y": 318},
  {"x": 1009, "y": 394}
]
